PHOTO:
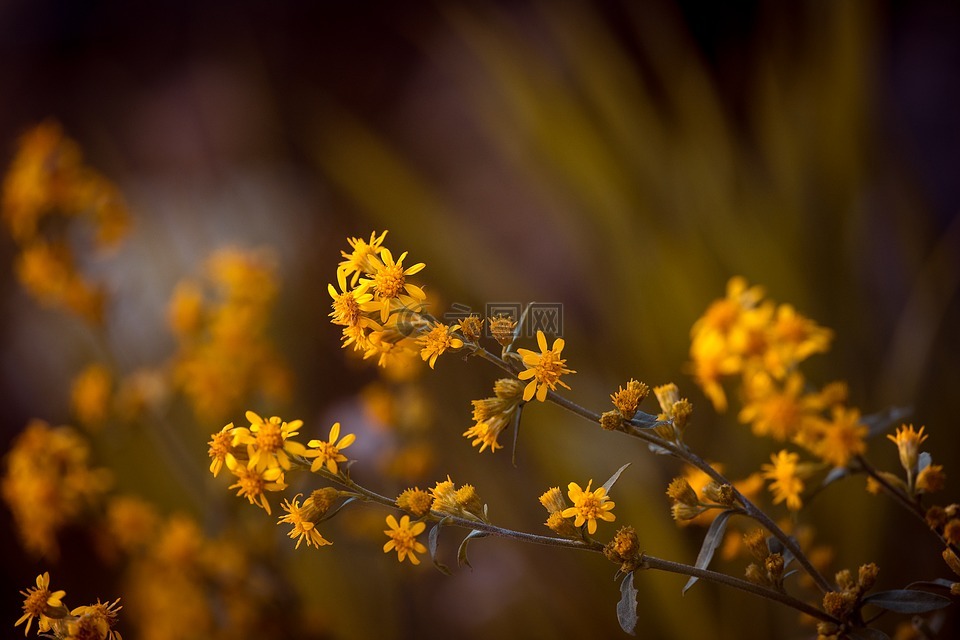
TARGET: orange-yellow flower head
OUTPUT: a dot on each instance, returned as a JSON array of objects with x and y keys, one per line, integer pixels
[
  {"x": 787, "y": 476},
  {"x": 40, "y": 602},
  {"x": 543, "y": 369},
  {"x": 438, "y": 340},
  {"x": 403, "y": 538},
  {"x": 588, "y": 506},
  {"x": 327, "y": 452},
  {"x": 908, "y": 444}
]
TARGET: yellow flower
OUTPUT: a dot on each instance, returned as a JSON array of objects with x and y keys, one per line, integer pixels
[
  {"x": 543, "y": 369},
  {"x": 908, "y": 443},
  {"x": 131, "y": 522},
  {"x": 251, "y": 483},
  {"x": 358, "y": 261},
  {"x": 39, "y": 602},
  {"x": 403, "y": 538},
  {"x": 794, "y": 338},
  {"x": 304, "y": 520},
  {"x": 711, "y": 359},
  {"x": 931, "y": 479},
  {"x": 268, "y": 441},
  {"x": 438, "y": 340},
  {"x": 90, "y": 395},
  {"x": 444, "y": 497},
  {"x": 350, "y": 304},
  {"x": 492, "y": 415},
  {"x": 627, "y": 400},
  {"x": 416, "y": 501},
  {"x": 588, "y": 506},
  {"x": 837, "y": 440},
  {"x": 785, "y": 472},
  {"x": 327, "y": 453},
  {"x": 222, "y": 449},
  {"x": 389, "y": 281},
  {"x": 780, "y": 412},
  {"x": 95, "y": 621}
]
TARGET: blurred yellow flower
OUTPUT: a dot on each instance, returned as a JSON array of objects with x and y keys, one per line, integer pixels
[
  {"x": 90, "y": 395},
  {"x": 785, "y": 472}
]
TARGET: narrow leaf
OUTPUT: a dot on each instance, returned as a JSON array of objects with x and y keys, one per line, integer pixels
[
  {"x": 462, "y": 551},
  {"x": 643, "y": 420},
  {"x": 923, "y": 461},
  {"x": 937, "y": 583},
  {"x": 907, "y": 601},
  {"x": 657, "y": 449},
  {"x": 835, "y": 474},
  {"x": 433, "y": 538},
  {"x": 616, "y": 476},
  {"x": 627, "y": 607},
  {"x": 332, "y": 513},
  {"x": 710, "y": 543}
]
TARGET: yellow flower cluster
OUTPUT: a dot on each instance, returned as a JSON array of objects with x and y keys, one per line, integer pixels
[
  {"x": 49, "y": 483},
  {"x": 180, "y": 583},
  {"x": 744, "y": 334},
  {"x": 588, "y": 507},
  {"x": 48, "y": 179},
  {"x": 492, "y": 415},
  {"x": 381, "y": 312},
  {"x": 225, "y": 356},
  {"x": 54, "y": 620}
]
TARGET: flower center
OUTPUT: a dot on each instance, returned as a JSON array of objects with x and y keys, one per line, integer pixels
[
  {"x": 36, "y": 603},
  {"x": 346, "y": 310},
  {"x": 389, "y": 281},
  {"x": 269, "y": 438}
]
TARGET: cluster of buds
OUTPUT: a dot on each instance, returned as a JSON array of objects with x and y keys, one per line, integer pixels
[
  {"x": 675, "y": 412},
  {"x": 687, "y": 505},
  {"x": 768, "y": 570},
  {"x": 492, "y": 415},
  {"x": 463, "y": 502},
  {"x": 625, "y": 550},
  {"x": 845, "y": 603},
  {"x": 627, "y": 402},
  {"x": 555, "y": 504}
]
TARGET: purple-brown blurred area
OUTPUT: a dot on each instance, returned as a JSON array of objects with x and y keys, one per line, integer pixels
[{"x": 624, "y": 159}]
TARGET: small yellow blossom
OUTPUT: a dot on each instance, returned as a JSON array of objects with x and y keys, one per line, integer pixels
[
  {"x": 252, "y": 483},
  {"x": 501, "y": 328},
  {"x": 785, "y": 472},
  {"x": 222, "y": 450},
  {"x": 438, "y": 340},
  {"x": 358, "y": 261},
  {"x": 95, "y": 621},
  {"x": 445, "y": 497},
  {"x": 553, "y": 500},
  {"x": 908, "y": 444},
  {"x": 304, "y": 520},
  {"x": 543, "y": 369},
  {"x": 350, "y": 304},
  {"x": 90, "y": 395},
  {"x": 327, "y": 452},
  {"x": 588, "y": 506},
  {"x": 41, "y": 603},
  {"x": 268, "y": 441},
  {"x": 492, "y": 415},
  {"x": 931, "y": 479},
  {"x": 472, "y": 328},
  {"x": 837, "y": 440},
  {"x": 780, "y": 412},
  {"x": 416, "y": 501},
  {"x": 627, "y": 399},
  {"x": 389, "y": 282},
  {"x": 403, "y": 538}
]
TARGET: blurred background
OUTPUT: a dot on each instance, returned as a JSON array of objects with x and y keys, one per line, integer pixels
[{"x": 623, "y": 159}]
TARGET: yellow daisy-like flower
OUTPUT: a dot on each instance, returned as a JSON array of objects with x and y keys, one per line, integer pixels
[
  {"x": 268, "y": 442},
  {"x": 588, "y": 506},
  {"x": 327, "y": 452},
  {"x": 349, "y": 304},
  {"x": 438, "y": 340},
  {"x": 785, "y": 472},
  {"x": 96, "y": 621},
  {"x": 358, "y": 260},
  {"x": 389, "y": 281},
  {"x": 252, "y": 483},
  {"x": 39, "y": 602},
  {"x": 778, "y": 411},
  {"x": 838, "y": 440},
  {"x": 403, "y": 538},
  {"x": 221, "y": 450},
  {"x": 543, "y": 369},
  {"x": 304, "y": 520}
]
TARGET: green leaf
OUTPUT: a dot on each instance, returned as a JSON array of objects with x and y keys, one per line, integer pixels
[
  {"x": 907, "y": 601},
  {"x": 710, "y": 543},
  {"x": 613, "y": 479},
  {"x": 433, "y": 538},
  {"x": 627, "y": 607},
  {"x": 462, "y": 551}
]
